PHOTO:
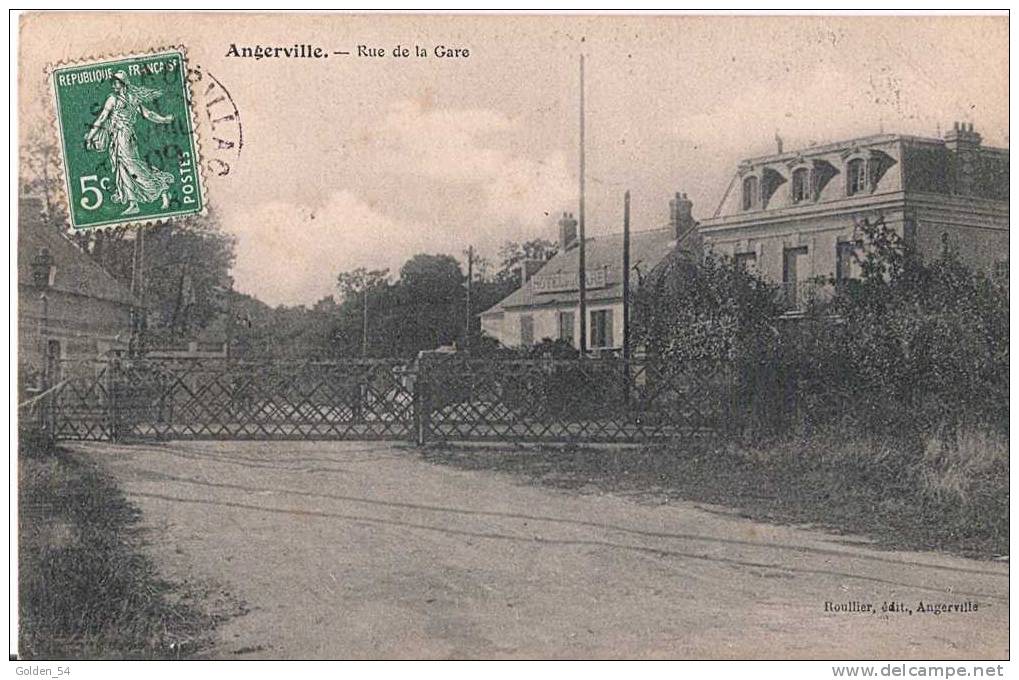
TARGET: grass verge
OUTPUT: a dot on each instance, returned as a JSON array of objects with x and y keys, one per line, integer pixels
[
  {"x": 86, "y": 590},
  {"x": 954, "y": 500}
]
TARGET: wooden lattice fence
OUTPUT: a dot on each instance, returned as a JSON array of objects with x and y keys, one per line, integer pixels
[{"x": 439, "y": 398}]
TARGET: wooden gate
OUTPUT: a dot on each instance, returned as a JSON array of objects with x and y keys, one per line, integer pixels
[
  {"x": 217, "y": 399},
  {"x": 440, "y": 398},
  {"x": 583, "y": 400}
]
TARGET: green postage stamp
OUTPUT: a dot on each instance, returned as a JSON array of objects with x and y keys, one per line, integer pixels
[{"x": 127, "y": 140}]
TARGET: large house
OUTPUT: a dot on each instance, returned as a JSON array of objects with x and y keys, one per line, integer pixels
[
  {"x": 69, "y": 307},
  {"x": 792, "y": 215},
  {"x": 547, "y": 304}
]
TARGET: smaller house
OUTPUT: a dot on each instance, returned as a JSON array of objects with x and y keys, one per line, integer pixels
[
  {"x": 547, "y": 304},
  {"x": 69, "y": 307}
]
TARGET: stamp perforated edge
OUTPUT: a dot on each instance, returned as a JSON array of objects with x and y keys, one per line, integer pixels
[{"x": 55, "y": 128}]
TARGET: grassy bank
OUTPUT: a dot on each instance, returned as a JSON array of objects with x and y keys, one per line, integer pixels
[
  {"x": 86, "y": 590},
  {"x": 954, "y": 500}
]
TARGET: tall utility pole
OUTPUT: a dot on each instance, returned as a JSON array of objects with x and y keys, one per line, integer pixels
[
  {"x": 231, "y": 319},
  {"x": 141, "y": 264},
  {"x": 582, "y": 273},
  {"x": 136, "y": 310},
  {"x": 138, "y": 287},
  {"x": 470, "y": 281}
]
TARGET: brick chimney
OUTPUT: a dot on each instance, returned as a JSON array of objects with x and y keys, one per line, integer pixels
[
  {"x": 529, "y": 268},
  {"x": 684, "y": 227},
  {"x": 962, "y": 137},
  {"x": 964, "y": 144},
  {"x": 681, "y": 215},
  {"x": 567, "y": 231}
]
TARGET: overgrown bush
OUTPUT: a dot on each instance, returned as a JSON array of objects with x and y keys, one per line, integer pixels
[
  {"x": 891, "y": 398},
  {"x": 712, "y": 310},
  {"x": 695, "y": 315},
  {"x": 913, "y": 348}
]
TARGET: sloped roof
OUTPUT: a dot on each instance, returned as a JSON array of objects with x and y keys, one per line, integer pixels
[
  {"x": 76, "y": 272},
  {"x": 647, "y": 248},
  {"x": 921, "y": 164}
]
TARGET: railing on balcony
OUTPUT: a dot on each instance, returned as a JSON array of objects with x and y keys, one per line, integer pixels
[{"x": 797, "y": 296}]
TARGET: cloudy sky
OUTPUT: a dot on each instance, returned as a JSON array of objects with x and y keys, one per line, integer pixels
[{"x": 352, "y": 162}]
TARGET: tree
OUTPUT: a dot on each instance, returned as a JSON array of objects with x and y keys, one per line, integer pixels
[
  {"x": 253, "y": 337},
  {"x": 431, "y": 304},
  {"x": 178, "y": 272},
  {"x": 512, "y": 254},
  {"x": 482, "y": 265},
  {"x": 40, "y": 172},
  {"x": 179, "y": 269},
  {"x": 432, "y": 278},
  {"x": 353, "y": 284},
  {"x": 423, "y": 309},
  {"x": 714, "y": 309},
  {"x": 922, "y": 345},
  {"x": 360, "y": 288}
]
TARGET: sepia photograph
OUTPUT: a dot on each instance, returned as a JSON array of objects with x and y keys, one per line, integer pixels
[{"x": 511, "y": 336}]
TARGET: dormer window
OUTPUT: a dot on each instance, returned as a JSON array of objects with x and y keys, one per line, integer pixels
[
  {"x": 750, "y": 192},
  {"x": 856, "y": 176},
  {"x": 801, "y": 185}
]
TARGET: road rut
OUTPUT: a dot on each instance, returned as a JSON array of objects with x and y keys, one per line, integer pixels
[{"x": 364, "y": 550}]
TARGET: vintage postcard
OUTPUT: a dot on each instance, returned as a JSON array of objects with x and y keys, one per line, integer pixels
[{"x": 449, "y": 336}]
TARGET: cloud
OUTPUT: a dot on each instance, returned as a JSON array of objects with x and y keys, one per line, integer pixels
[
  {"x": 443, "y": 143},
  {"x": 823, "y": 104},
  {"x": 288, "y": 254},
  {"x": 460, "y": 147},
  {"x": 523, "y": 189}
]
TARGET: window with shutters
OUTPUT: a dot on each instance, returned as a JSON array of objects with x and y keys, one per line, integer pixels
[
  {"x": 846, "y": 260},
  {"x": 801, "y": 185},
  {"x": 601, "y": 328},
  {"x": 566, "y": 322},
  {"x": 856, "y": 176},
  {"x": 793, "y": 288},
  {"x": 750, "y": 191},
  {"x": 746, "y": 261},
  {"x": 526, "y": 329}
]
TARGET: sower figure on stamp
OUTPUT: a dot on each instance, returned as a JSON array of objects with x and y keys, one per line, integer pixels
[{"x": 113, "y": 131}]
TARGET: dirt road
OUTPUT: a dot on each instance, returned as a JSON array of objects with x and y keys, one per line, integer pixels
[{"x": 353, "y": 550}]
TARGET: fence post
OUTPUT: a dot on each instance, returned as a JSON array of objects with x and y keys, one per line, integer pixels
[
  {"x": 111, "y": 397},
  {"x": 422, "y": 406},
  {"x": 360, "y": 391},
  {"x": 47, "y": 407}
]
